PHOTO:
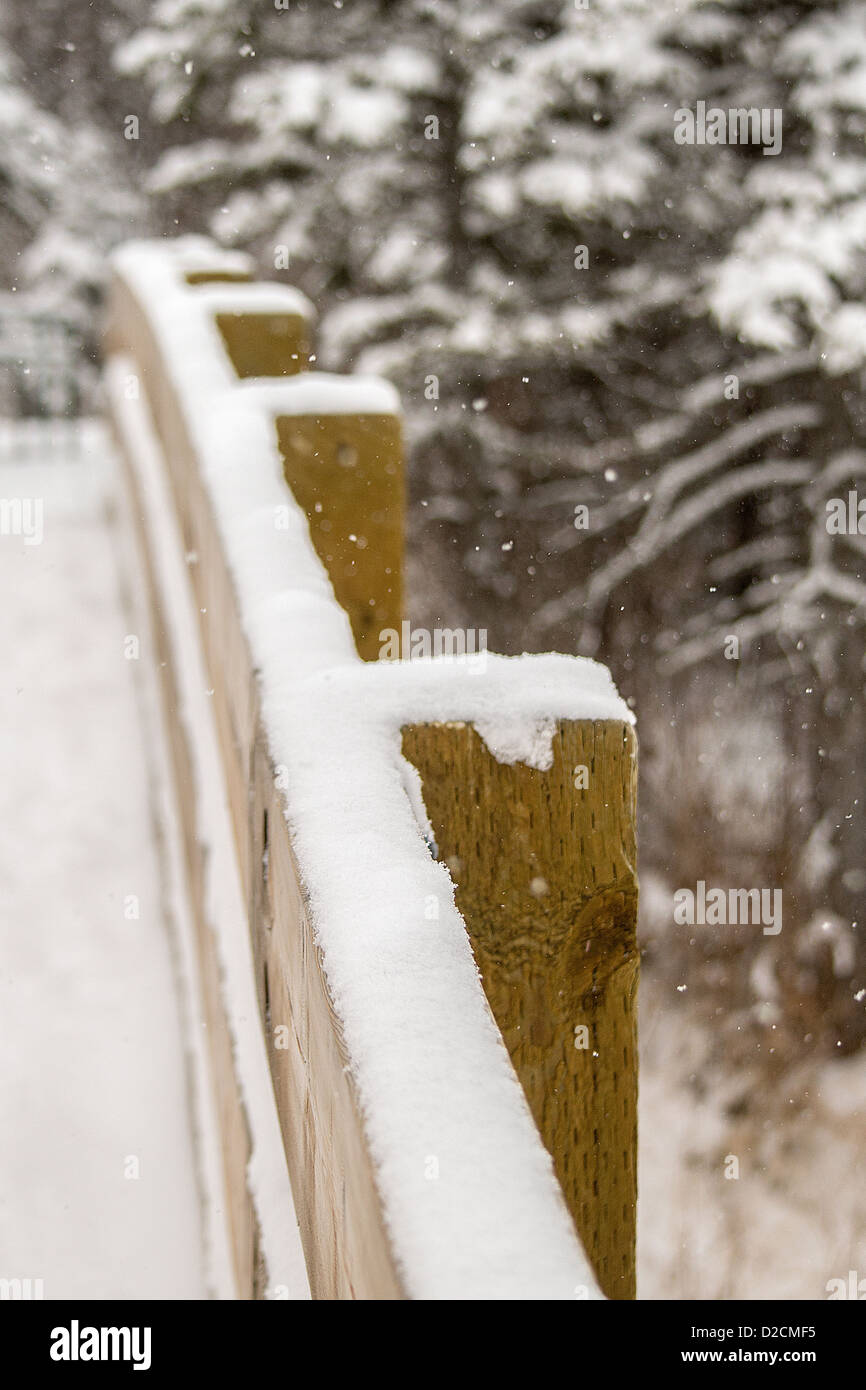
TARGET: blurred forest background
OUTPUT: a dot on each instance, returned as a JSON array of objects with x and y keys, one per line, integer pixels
[{"x": 428, "y": 172}]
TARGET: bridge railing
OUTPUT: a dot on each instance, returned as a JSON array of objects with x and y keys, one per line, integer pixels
[{"x": 437, "y": 855}]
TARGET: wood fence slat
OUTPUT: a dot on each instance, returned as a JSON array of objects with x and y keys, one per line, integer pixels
[{"x": 346, "y": 473}]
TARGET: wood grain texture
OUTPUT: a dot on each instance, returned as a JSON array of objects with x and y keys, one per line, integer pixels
[{"x": 546, "y": 883}]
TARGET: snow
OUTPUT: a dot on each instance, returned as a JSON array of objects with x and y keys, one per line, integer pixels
[
  {"x": 223, "y": 297},
  {"x": 363, "y": 115},
  {"x": 226, "y": 907},
  {"x": 843, "y": 344},
  {"x": 196, "y": 254},
  {"x": 190, "y": 165},
  {"x": 599, "y": 170},
  {"x": 513, "y": 702},
  {"x": 296, "y": 96},
  {"x": 319, "y": 393},
  {"x": 433, "y": 1075},
  {"x": 281, "y": 98},
  {"x": 793, "y": 1219},
  {"x": 408, "y": 69},
  {"x": 93, "y": 1076}
]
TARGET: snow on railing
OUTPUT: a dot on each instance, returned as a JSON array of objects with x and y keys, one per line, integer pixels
[{"x": 390, "y": 817}]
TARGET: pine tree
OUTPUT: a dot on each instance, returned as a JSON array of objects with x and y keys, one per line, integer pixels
[
  {"x": 632, "y": 366},
  {"x": 66, "y": 197}
]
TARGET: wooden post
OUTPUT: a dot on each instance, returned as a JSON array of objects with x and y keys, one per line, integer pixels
[
  {"x": 544, "y": 869},
  {"x": 265, "y": 345},
  {"x": 346, "y": 473}
]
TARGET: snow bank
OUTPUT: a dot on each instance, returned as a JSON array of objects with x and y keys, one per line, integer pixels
[{"x": 432, "y": 1073}]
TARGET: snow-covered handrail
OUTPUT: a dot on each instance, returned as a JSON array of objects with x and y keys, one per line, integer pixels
[{"x": 390, "y": 816}]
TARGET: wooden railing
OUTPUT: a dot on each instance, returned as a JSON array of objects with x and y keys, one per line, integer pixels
[{"x": 416, "y": 1168}]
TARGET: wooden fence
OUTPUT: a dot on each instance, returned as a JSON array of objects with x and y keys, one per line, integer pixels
[{"x": 542, "y": 857}]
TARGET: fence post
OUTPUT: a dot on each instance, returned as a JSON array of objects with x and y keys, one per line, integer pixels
[
  {"x": 345, "y": 471},
  {"x": 342, "y": 453},
  {"x": 265, "y": 344},
  {"x": 544, "y": 868}
]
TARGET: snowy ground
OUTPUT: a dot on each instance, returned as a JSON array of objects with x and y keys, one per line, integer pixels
[
  {"x": 98, "y": 1189},
  {"x": 795, "y": 1216}
]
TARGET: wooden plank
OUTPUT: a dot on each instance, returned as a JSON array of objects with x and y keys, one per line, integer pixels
[{"x": 546, "y": 883}]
